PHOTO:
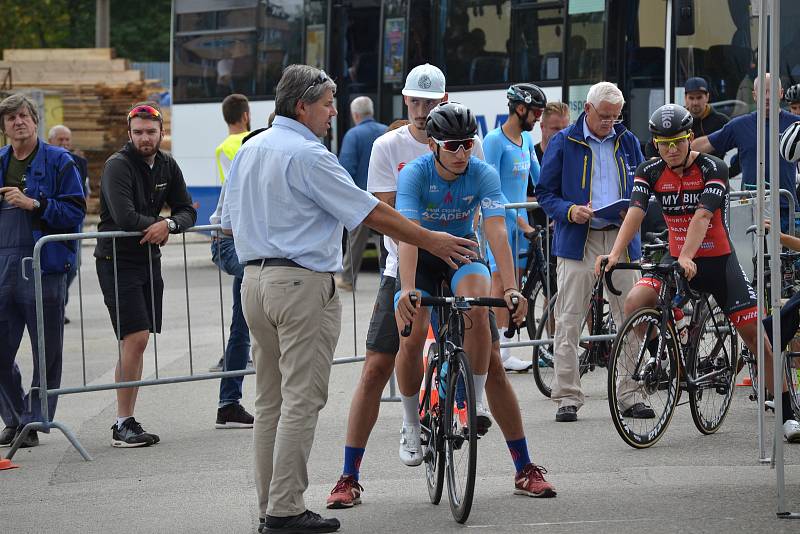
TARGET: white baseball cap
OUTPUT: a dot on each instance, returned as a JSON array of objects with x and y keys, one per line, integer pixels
[{"x": 425, "y": 81}]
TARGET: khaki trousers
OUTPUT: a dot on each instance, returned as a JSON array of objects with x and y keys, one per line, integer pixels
[
  {"x": 575, "y": 281},
  {"x": 294, "y": 317}
]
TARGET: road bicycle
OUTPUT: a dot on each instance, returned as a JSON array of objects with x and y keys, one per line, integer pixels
[
  {"x": 449, "y": 426},
  {"x": 656, "y": 361}
]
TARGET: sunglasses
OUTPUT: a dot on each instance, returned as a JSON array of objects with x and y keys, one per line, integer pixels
[
  {"x": 671, "y": 142},
  {"x": 537, "y": 112},
  {"x": 605, "y": 119},
  {"x": 454, "y": 145},
  {"x": 144, "y": 110},
  {"x": 322, "y": 78}
]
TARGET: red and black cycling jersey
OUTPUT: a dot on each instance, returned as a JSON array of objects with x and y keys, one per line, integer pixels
[{"x": 704, "y": 185}]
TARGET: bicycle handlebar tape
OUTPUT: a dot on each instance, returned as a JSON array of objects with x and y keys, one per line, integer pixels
[
  {"x": 512, "y": 326},
  {"x": 610, "y": 284}
]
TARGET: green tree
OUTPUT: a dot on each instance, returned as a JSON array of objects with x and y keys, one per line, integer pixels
[{"x": 138, "y": 32}]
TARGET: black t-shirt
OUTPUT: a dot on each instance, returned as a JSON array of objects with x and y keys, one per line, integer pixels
[{"x": 15, "y": 176}]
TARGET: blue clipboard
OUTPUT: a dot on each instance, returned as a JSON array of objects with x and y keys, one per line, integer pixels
[{"x": 611, "y": 212}]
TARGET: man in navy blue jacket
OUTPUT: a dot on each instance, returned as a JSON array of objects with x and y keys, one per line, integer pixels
[
  {"x": 587, "y": 166},
  {"x": 41, "y": 194}
]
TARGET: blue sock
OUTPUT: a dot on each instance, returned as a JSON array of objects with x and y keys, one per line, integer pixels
[
  {"x": 519, "y": 453},
  {"x": 352, "y": 461}
]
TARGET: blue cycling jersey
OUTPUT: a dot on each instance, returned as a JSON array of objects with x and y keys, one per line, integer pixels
[
  {"x": 514, "y": 163},
  {"x": 448, "y": 206}
]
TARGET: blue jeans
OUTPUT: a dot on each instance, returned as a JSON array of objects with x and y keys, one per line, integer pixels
[{"x": 237, "y": 352}]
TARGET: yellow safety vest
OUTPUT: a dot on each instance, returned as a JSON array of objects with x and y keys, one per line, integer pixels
[{"x": 230, "y": 146}]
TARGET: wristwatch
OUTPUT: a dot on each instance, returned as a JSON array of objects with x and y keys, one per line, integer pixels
[
  {"x": 36, "y": 204},
  {"x": 172, "y": 225}
]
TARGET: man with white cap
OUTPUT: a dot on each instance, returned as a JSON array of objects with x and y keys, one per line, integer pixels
[{"x": 424, "y": 89}]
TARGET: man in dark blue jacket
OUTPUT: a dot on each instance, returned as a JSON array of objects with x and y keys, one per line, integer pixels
[
  {"x": 41, "y": 194},
  {"x": 587, "y": 167}
]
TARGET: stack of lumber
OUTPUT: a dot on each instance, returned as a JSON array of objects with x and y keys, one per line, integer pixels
[{"x": 96, "y": 91}]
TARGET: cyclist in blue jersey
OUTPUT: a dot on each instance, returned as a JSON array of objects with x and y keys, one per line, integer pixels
[
  {"x": 443, "y": 190},
  {"x": 509, "y": 149}
]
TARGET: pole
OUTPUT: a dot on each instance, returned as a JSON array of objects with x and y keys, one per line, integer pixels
[{"x": 102, "y": 24}]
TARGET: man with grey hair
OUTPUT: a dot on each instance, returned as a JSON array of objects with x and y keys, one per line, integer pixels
[
  {"x": 60, "y": 135},
  {"x": 40, "y": 194},
  {"x": 354, "y": 157},
  {"x": 587, "y": 167},
  {"x": 287, "y": 201}
]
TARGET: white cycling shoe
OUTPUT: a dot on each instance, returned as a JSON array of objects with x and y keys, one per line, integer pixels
[
  {"x": 483, "y": 417},
  {"x": 410, "y": 449},
  {"x": 791, "y": 431},
  {"x": 514, "y": 364}
]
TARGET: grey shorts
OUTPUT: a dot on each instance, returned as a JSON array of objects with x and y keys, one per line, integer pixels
[{"x": 382, "y": 335}]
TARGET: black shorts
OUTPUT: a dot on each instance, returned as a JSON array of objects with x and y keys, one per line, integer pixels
[
  {"x": 382, "y": 335},
  {"x": 723, "y": 278},
  {"x": 133, "y": 291}
]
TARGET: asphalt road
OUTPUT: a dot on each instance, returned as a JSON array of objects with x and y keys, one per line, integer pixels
[{"x": 199, "y": 479}]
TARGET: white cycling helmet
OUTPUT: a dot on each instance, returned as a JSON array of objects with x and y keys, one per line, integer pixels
[{"x": 789, "y": 144}]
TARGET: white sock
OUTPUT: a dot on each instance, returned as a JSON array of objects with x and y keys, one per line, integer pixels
[
  {"x": 121, "y": 420},
  {"x": 480, "y": 385},
  {"x": 410, "y": 409},
  {"x": 505, "y": 352}
]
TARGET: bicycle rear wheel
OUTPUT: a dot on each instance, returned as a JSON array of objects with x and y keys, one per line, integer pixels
[
  {"x": 461, "y": 437},
  {"x": 712, "y": 352},
  {"x": 792, "y": 367},
  {"x": 638, "y": 374},
  {"x": 543, "y": 355},
  {"x": 432, "y": 450}
]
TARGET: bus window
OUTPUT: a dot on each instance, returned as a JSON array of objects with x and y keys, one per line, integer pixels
[
  {"x": 476, "y": 37},
  {"x": 233, "y": 46},
  {"x": 644, "y": 64},
  {"x": 538, "y": 44},
  {"x": 722, "y": 52},
  {"x": 585, "y": 50}
]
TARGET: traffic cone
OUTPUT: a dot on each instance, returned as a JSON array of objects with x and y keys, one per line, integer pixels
[
  {"x": 746, "y": 382},
  {"x": 6, "y": 464},
  {"x": 435, "y": 393}
]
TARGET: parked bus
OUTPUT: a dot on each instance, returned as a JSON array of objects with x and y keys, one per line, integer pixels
[{"x": 647, "y": 47}]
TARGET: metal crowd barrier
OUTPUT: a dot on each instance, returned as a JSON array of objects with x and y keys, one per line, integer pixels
[{"x": 44, "y": 392}]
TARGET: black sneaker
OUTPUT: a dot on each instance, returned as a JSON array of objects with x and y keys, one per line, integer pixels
[
  {"x": 31, "y": 440},
  {"x": 307, "y": 522},
  {"x": 639, "y": 411},
  {"x": 131, "y": 435},
  {"x": 567, "y": 414},
  {"x": 7, "y": 435},
  {"x": 233, "y": 416}
]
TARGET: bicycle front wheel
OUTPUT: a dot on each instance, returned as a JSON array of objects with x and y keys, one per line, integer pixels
[
  {"x": 635, "y": 375},
  {"x": 432, "y": 443},
  {"x": 461, "y": 437},
  {"x": 713, "y": 365},
  {"x": 544, "y": 355}
]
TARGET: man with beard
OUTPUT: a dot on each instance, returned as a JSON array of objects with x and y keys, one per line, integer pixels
[
  {"x": 230, "y": 413},
  {"x": 509, "y": 149},
  {"x": 136, "y": 183}
]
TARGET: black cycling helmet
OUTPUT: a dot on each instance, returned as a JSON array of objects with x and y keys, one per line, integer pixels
[
  {"x": 526, "y": 93},
  {"x": 669, "y": 120},
  {"x": 792, "y": 94},
  {"x": 451, "y": 121}
]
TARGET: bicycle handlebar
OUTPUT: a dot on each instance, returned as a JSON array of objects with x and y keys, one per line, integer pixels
[
  {"x": 491, "y": 302},
  {"x": 684, "y": 292}
]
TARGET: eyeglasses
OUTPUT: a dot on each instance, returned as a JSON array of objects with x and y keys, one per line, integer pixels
[
  {"x": 671, "y": 142},
  {"x": 322, "y": 78},
  {"x": 605, "y": 119},
  {"x": 144, "y": 110},
  {"x": 454, "y": 145}
]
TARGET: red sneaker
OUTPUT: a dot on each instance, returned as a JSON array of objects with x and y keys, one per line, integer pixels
[
  {"x": 346, "y": 493},
  {"x": 530, "y": 481}
]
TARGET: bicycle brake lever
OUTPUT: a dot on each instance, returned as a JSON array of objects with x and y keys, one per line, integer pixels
[
  {"x": 407, "y": 328},
  {"x": 512, "y": 326},
  {"x": 610, "y": 283}
]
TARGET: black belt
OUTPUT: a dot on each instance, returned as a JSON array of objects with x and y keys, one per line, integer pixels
[
  {"x": 605, "y": 228},
  {"x": 275, "y": 262},
  {"x": 278, "y": 262}
]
